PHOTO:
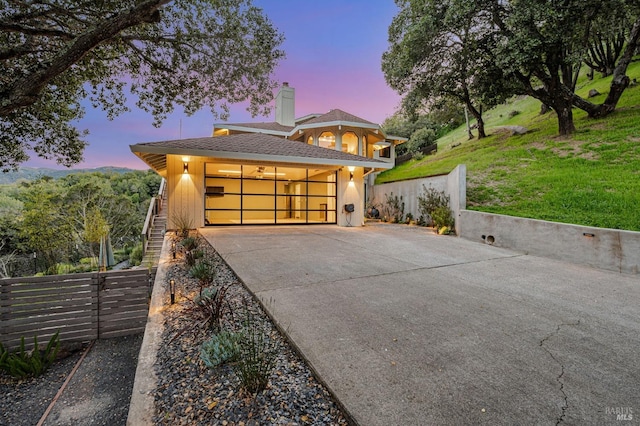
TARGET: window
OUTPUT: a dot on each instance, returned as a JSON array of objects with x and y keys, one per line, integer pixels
[
  {"x": 250, "y": 194},
  {"x": 350, "y": 143},
  {"x": 327, "y": 140}
]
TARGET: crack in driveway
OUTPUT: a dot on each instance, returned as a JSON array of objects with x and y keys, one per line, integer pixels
[{"x": 559, "y": 378}]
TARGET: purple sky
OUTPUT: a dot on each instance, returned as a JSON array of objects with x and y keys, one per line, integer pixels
[{"x": 333, "y": 51}]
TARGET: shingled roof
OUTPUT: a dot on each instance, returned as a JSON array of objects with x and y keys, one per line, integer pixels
[
  {"x": 333, "y": 117},
  {"x": 338, "y": 115},
  {"x": 251, "y": 147}
]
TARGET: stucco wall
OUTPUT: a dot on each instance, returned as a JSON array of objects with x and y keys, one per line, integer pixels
[
  {"x": 453, "y": 184},
  {"x": 350, "y": 192},
  {"x": 185, "y": 190},
  {"x": 610, "y": 249}
]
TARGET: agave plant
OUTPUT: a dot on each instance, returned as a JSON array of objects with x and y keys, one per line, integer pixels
[{"x": 204, "y": 272}]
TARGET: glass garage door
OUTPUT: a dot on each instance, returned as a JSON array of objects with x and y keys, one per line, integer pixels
[{"x": 249, "y": 195}]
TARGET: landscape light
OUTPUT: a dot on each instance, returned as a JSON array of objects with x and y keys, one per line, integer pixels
[{"x": 172, "y": 290}]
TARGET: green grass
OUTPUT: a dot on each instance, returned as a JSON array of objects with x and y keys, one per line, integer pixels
[{"x": 591, "y": 178}]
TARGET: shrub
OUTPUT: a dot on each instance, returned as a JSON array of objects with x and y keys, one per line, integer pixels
[
  {"x": 135, "y": 258},
  {"x": 256, "y": 357},
  {"x": 204, "y": 272},
  {"x": 212, "y": 305},
  {"x": 182, "y": 221},
  {"x": 434, "y": 208},
  {"x": 421, "y": 138},
  {"x": 221, "y": 348},
  {"x": 443, "y": 217},
  {"x": 22, "y": 363},
  {"x": 190, "y": 245},
  {"x": 393, "y": 208},
  {"x": 408, "y": 219}
]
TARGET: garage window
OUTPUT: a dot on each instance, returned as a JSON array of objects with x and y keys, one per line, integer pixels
[{"x": 254, "y": 194}]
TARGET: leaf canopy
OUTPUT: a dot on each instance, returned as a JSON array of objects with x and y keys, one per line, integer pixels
[{"x": 186, "y": 53}]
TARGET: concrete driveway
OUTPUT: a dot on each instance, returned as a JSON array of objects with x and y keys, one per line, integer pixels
[{"x": 410, "y": 328}]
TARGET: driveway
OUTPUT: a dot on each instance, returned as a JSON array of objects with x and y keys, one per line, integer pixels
[{"x": 407, "y": 327}]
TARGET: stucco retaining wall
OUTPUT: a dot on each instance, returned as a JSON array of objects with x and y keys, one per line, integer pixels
[
  {"x": 609, "y": 249},
  {"x": 454, "y": 185}
]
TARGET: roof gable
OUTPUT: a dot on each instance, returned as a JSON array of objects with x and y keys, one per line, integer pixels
[{"x": 338, "y": 115}]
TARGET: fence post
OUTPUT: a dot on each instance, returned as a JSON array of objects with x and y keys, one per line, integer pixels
[
  {"x": 5, "y": 296},
  {"x": 95, "y": 284}
]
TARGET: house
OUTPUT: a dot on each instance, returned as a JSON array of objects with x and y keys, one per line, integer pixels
[{"x": 308, "y": 170}]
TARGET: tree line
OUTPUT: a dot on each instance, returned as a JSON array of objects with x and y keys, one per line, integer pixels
[
  {"x": 62, "y": 220},
  {"x": 480, "y": 52}
]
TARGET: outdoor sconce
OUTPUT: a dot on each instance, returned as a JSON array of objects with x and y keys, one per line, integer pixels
[
  {"x": 173, "y": 249},
  {"x": 186, "y": 168},
  {"x": 351, "y": 176},
  {"x": 172, "y": 290}
]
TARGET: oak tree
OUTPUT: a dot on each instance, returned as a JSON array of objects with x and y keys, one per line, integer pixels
[
  {"x": 167, "y": 53},
  {"x": 542, "y": 45},
  {"x": 441, "y": 50}
]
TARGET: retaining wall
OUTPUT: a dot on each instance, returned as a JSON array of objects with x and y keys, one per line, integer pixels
[
  {"x": 609, "y": 249},
  {"x": 453, "y": 184}
]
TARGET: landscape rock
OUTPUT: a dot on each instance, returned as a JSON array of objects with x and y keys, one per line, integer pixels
[{"x": 516, "y": 130}]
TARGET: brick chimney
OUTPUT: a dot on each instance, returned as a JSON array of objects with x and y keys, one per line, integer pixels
[{"x": 286, "y": 105}]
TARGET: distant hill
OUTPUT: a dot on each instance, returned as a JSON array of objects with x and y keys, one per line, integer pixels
[{"x": 33, "y": 173}]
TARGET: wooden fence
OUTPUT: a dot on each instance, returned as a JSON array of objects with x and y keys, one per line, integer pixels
[
  {"x": 427, "y": 150},
  {"x": 80, "y": 306}
]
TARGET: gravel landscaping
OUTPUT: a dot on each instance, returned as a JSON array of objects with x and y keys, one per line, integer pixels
[
  {"x": 23, "y": 402},
  {"x": 97, "y": 394},
  {"x": 189, "y": 392}
]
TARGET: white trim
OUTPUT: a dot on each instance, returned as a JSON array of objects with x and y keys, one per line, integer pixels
[
  {"x": 252, "y": 130},
  {"x": 246, "y": 156}
]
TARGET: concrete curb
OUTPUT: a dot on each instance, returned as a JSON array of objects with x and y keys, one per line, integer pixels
[{"x": 141, "y": 408}]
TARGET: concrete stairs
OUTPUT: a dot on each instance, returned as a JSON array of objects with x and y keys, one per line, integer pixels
[{"x": 154, "y": 244}]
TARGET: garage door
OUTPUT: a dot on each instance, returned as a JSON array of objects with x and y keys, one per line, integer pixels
[{"x": 244, "y": 194}]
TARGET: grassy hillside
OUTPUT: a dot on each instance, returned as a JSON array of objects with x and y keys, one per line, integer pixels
[{"x": 591, "y": 178}]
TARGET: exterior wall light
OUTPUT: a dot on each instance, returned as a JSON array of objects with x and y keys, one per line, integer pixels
[
  {"x": 351, "y": 170},
  {"x": 186, "y": 168},
  {"x": 172, "y": 290}
]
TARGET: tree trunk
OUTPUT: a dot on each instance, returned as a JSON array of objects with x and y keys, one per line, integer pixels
[
  {"x": 619, "y": 83},
  {"x": 466, "y": 118},
  {"x": 565, "y": 118},
  {"x": 544, "y": 108},
  {"x": 477, "y": 114}
]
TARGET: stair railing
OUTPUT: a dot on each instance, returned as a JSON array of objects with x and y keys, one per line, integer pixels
[{"x": 155, "y": 206}]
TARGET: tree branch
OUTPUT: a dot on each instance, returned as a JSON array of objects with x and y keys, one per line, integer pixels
[{"x": 25, "y": 91}]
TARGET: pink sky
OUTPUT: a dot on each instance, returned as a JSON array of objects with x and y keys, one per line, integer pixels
[{"x": 333, "y": 50}]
